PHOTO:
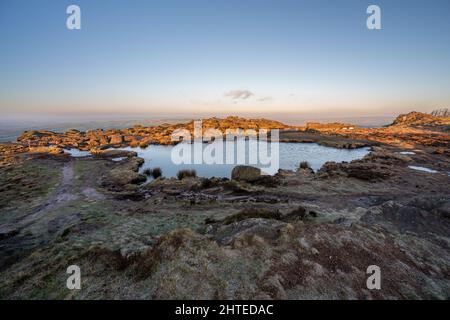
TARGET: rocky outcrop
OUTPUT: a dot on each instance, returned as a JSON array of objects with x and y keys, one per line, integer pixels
[
  {"x": 343, "y": 144},
  {"x": 116, "y": 139},
  {"x": 112, "y": 153},
  {"x": 423, "y": 121},
  {"x": 50, "y": 150},
  {"x": 375, "y": 166},
  {"x": 329, "y": 127},
  {"x": 11, "y": 148},
  {"x": 245, "y": 173},
  {"x": 386, "y": 157},
  {"x": 416, "y": 118},
  {"x": 408, "y": 130},
  {"x": 137, "y": 135},
  {"x": 124, "y": 175},
  {"x": 245, "y": 232},
  {"x": 420, "y": 215},
  {"x": 413, "y": 129},
  {"x": 358, "y": 170}
]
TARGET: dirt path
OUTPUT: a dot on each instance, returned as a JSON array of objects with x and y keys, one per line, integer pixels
[
  {"x": 14, "y": 236},
  {"x": 14, "y": 239},
  {"x": 65, "y": 191}
]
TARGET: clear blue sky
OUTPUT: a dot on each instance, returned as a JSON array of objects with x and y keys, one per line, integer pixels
[{"x": 207, "y": 56}]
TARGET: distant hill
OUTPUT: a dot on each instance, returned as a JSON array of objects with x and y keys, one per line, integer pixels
[{"x": 423, "y": 120}]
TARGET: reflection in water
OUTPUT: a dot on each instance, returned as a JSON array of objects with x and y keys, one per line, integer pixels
[{"x": 291, "y": 154}]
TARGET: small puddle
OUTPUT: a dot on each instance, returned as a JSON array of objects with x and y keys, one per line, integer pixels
[
  {"x": 423, "y": 169},
  {"x": 77, "y": 153}
]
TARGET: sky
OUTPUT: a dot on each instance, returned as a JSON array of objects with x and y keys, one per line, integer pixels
[{"x": 223, "y": 57}]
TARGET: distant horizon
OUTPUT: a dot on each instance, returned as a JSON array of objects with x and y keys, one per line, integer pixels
[
  {"x": 294, "y": 118},
  {"x": 11, "y": 126}
]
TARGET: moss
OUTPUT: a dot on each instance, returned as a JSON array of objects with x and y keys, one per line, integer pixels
[
  {"x": 235, "y": 187},
  {"x": 26, "y": 184},
  {"x": 80, "y": 169},
  {"x": 304, "y": 165},
  {"x": 186, "y": 174},
  {"x": 252, "y": 213},
  {"x": 297, "y": 214},
  {"x": 155, "y": 172}
]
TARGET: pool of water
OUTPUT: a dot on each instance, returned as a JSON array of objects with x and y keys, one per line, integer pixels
[
  {"x": 290, "y": 156},
  {"x": 77, "y": 153}
]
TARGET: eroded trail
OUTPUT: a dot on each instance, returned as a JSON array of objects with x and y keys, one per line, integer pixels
[
  {"x": 65, "y": 191},
  {"x": 37, "y": 228}
]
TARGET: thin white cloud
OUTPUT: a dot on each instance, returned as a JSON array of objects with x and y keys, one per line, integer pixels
[{"x": 239, "y": 94}]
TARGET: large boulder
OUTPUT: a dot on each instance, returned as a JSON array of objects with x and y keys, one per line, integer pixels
[
  {"x": 413, "y": 217},
  {"x": 50, "y": 150},
  {"x": 356, "y": 169},
  {"x": 242, "y": 233},
  {"x": 367, "y": 171},
  {"x": 246, "y": 173},
  {"x": 380, "y": 155},
  {"x": 116, "y": 139},
  {"x": 112, "y": 153},
  {"x": 122, "y": 177}
]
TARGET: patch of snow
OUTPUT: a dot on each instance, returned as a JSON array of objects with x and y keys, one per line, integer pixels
[
  {"x": 407, "y": 152},
  {"x": 118, "y": 159},
  {"x": 423, "y": 169}
]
